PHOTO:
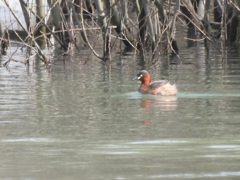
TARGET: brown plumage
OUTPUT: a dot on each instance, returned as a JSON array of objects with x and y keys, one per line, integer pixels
[{"x": 161, "y": 87}]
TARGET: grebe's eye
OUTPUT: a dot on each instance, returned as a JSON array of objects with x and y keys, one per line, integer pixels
[{"x": 139, "y": 77}]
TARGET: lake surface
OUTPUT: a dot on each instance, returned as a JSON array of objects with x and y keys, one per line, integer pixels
[{"x": 77, "y": 120}]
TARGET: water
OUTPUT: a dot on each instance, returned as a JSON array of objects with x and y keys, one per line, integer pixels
[{"x": 87, "y": 121}]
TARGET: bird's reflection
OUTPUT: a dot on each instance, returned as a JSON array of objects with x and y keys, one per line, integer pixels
[{"x": 166, "y": 104}]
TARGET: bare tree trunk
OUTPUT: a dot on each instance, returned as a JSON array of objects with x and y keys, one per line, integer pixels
[
  {"x": 41, "y": 17},
  {"x": 233, "y": 25},
  {"x": 103, "y": 23},
  {"x": 121, "y": 29},
  {"x": 83, "y": 32},
  {"x": 88, "y": 7},
  {"x": 217, "y": 12},
  {"x": 189, "y": 12},
  {"x": 149, "y": 23},
  {"x": 223, "y": 22},
  {"x": 224, "y": 28},
  {"x": 25, "y": 13},
  {"x": 200, "y": 9},
  {"x": 207, "y": 22},
  {"x": 58, "y": 22},
  {"x": 163, "y": 22},
  {"x": 160, "y": 6},
  {"x": 76, "y": 20},
  {"x": 171, "y": 38},
  {"x": 124, "y": 4},
  {"x": 141, "y": 24},
  {"x": 4, "y": 43},
  {"x": 238, "y": 23}
]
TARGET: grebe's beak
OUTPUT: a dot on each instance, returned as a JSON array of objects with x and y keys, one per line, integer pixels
[{"x": 136, "y": 78}]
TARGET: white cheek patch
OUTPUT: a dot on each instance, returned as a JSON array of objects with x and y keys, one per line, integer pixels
[{"x": 139, "y": 77}]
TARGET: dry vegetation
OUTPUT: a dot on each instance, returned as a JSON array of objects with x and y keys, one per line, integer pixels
[{"x": 140, "y": 25}]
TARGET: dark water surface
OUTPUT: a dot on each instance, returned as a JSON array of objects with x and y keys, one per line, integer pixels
[{"x": 87, "y": 121}]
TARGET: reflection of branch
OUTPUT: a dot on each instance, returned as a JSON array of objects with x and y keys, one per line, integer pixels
[
  {"x": 23, "y": 61},
  {"x": 9, "y": 60},
  {"x": 24, "y": 44}
]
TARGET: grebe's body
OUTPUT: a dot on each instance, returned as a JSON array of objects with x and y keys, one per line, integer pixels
[{"x": 161, "y": 87}]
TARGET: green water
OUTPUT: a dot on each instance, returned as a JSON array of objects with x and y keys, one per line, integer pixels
[{"x": 87, "y": 121}]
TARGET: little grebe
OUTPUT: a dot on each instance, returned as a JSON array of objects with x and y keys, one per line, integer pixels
[{"x": 162, "y": 87}]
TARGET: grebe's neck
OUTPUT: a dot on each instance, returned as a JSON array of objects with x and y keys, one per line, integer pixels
[{"x": 146, "y": 80}]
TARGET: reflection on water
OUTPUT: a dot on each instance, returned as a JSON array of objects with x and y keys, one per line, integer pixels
[
  {"x": 187, "y": 176},
  {"x": 148, "y": 159},
  {"x": 87, "y": 121},
  {"x": 191, "y": 95}
]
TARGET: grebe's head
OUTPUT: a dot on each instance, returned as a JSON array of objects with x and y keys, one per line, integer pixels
[{"x": 144, "y": 77}]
